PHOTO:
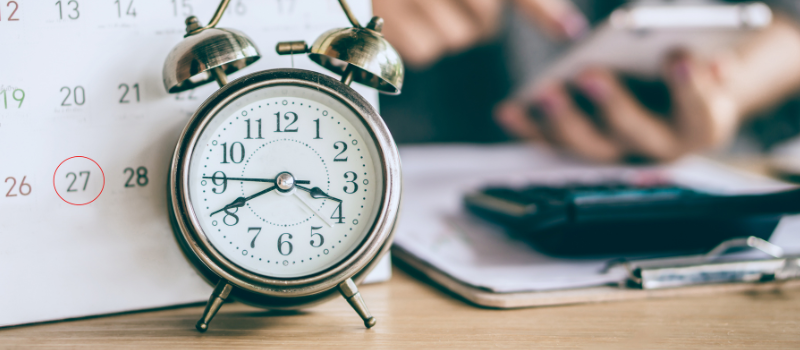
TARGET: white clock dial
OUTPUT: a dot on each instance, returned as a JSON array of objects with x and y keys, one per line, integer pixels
[{"x": 285, "y": 181}]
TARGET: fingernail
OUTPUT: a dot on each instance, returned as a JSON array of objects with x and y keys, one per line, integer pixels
[
  {"x": 681, "y": 70},
  {"x": 594, "y": 87},
  {"x": 574, "y": 25}
]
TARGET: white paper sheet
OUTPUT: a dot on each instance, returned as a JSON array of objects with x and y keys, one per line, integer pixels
[
  {"x": 435, "y": 228},
  {"x": 91, "y": 75}
]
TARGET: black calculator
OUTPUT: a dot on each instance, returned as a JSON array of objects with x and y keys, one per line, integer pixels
[{"x": 619, "y": 219}]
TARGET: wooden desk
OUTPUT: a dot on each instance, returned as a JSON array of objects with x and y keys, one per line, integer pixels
[{"x": 412, "y": 314}]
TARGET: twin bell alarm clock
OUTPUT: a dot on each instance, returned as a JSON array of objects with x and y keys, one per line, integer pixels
[{"x": 284, "y": 187}]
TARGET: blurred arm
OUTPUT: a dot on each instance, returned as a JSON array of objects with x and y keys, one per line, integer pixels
[{"x": 767, "y": 69}]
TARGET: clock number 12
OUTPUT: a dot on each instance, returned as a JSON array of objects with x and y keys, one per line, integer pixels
[{"x": 285, "y": 116}]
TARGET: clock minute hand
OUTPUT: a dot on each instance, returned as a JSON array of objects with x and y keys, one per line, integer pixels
[
  {"x": 239, "y": 202},
  {"x": 317, "y": 193},
  {"x": 251, "y": 179}
]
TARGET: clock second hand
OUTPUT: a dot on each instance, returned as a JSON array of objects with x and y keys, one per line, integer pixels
[
  {"x": 239, "y": 202},
  {"x": 322, "y": 217}
]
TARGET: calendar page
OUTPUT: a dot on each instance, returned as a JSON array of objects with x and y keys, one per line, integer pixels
[{"x": 86, "y": 134}]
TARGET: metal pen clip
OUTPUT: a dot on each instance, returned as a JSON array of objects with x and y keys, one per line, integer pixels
[{"x": 707, "y": 269}]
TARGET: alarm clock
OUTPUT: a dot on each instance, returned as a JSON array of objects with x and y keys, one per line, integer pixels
[{"x": 284, "y": 187}]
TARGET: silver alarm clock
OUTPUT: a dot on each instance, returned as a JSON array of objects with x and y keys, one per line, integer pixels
[{"x": 285, "y": 185}]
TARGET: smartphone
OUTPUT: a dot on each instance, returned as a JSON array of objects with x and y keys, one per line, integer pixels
[{"x": 635, "y": 40}]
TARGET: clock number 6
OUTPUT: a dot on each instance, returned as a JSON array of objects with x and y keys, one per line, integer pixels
[
  {"x": 282, "y": 243},
  {"x": 353, "y": 181}
]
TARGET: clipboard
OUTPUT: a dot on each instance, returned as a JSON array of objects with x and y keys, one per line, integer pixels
[{"x": 753, "y": 275}]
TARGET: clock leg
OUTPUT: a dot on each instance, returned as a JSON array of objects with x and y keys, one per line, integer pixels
[
  {"x": 221, "y": 292},
  {"x": 351, "y": 294}
]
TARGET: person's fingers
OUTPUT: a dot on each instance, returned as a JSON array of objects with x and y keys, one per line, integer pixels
[
  {"x": 567, "y": 125},
  {"x": 558, "y": 18},
  {"x": 705, "y": 115},
  {"x": 515, "y": 121},
  {"x": 451, "y": 21},
  {"x": 635, "y": 128},
  {"x": 409, "y": 33}
]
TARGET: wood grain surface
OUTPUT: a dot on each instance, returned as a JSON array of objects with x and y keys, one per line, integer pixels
[{"x": 414, "y": 315}]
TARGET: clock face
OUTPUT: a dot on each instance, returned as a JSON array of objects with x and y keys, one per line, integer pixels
[{"x": 285, "y": 181}]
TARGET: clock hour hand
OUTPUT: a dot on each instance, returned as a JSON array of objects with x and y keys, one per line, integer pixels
[
  {"x": 317, "y": 193},
  {"x": 250, "y": 179},
  {"x": 239, "y": 202}
]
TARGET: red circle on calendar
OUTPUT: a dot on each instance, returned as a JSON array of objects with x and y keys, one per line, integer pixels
[{"x": 76, "y": 182}]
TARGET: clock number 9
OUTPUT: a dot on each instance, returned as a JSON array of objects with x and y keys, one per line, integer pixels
[
  {"x": 353, "y": 181},
  {"x": 321, "y": 239},
  {"x": 224, "y": 183},
  {"x": 13, "y": 96},
  {"x": 282, "y": 243}
]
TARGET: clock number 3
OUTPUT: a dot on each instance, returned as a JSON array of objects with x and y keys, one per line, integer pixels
[{"x": 353, "y": 181}]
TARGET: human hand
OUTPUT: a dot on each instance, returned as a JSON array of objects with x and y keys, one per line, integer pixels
[
  {"x": 704, "y": 115},
  {"x": 423, "y": 31},
  {"x": 710, "y": 100}
]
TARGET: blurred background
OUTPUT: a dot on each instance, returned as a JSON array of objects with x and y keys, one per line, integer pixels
[{"x": 471, "y": 64}]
